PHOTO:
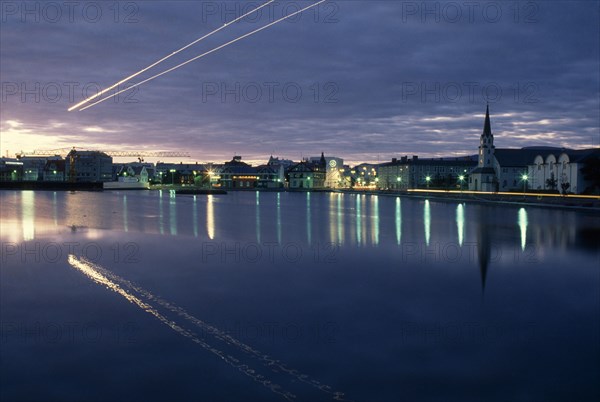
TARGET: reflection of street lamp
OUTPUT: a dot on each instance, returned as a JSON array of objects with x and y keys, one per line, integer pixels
[
  {"x": 428, "y": 179},
  {"x": 461, "y": 178}
]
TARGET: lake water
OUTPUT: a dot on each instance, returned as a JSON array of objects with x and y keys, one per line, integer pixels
[{"x": 141, "y": 296}]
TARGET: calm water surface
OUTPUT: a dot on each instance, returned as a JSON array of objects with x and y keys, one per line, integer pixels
[{"x": 140, "y": 296}]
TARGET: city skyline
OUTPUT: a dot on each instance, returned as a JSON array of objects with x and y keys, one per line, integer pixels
[{"x": 370, "y": 75}]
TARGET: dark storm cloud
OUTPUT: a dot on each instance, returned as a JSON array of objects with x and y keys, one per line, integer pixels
[{"x": 360, "y": 79}]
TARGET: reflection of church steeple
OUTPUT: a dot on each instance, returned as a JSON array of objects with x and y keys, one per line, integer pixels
[{"x": 483, "y": 248}]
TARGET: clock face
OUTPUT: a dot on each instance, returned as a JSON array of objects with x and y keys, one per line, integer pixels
[{"x": 332, "y": 163}]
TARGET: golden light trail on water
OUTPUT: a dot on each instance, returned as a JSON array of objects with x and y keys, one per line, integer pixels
[
  {"x": 119, "y": 285},
  {"x": 124, "y": 80},
  {"x": 210, "y": 217},
  {"x": 204, "y": 54}
]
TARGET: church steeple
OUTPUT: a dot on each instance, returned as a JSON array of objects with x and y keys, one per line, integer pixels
[
  {"x": 484, "y": 176},
  {"x": 486, "y": 142},
  {"x": 487, "y": 127}
]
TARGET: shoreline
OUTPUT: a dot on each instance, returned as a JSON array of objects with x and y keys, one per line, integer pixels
[
  {"x": 571, "y": 202},
  {"x": 544, "y": 200}
]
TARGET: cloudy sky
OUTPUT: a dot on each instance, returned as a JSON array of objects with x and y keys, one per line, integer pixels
[{"x": 363, "y": 80}]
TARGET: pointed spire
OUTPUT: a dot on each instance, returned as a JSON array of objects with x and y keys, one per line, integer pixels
[
  {"x": 487, "y": 127},
  {"x": 322, "y": 161}
]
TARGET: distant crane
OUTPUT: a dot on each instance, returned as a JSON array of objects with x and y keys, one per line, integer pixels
[{"x": 136, "y": 154}]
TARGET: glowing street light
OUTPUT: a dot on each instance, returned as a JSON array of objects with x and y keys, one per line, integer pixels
[
  {"x": 461, "y": 179},
  {"x": 524, "y": 177},
  {"x": 428, "y": 179}
]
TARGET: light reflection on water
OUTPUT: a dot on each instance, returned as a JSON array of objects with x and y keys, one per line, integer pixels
[
  {"x": 278, "y": 218},
  {"x": 54, "y": 208},
  {"x": 340, "y": 219},
  {"x": 195, "y": 216},
  {"x": 398, "y": 220},
  {"x": 427, "y": 221},
  {"x": 358, "y": 219},
  {"x": 375, "y": 219},
  {"x": 161, "y": 218},
  {"x": 173, "y": 213},
  {"x": 391, "y": 285},
  {"x": 28, "y": 214},
  {"x": 308, "y": 219},
  {"x": 258, "y": 217},
  {"x": 523, "y": 227},
  {"x": 188, "y": 326},
  {"x": 363, "y": 217},
  {"x": 125, "y": 219},
  {"x": 460, "y": 223},
  {"x": 331, "y": 212},
  {"x": 210, "y": 217}
]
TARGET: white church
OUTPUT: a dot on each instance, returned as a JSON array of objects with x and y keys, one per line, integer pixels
[
  {"x": 483, "y": 177},
  {"x": 531, "y": 168}
]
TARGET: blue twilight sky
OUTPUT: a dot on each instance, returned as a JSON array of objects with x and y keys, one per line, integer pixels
[{"x": 363, "y": 80}]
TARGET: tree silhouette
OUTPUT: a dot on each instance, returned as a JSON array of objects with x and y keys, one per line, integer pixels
[
  {"x": 551, "y": 182},
  {"x": 591, "y": 173}
]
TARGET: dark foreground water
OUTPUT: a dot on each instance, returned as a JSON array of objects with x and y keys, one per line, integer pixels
[{"x": 140, "y": 296}]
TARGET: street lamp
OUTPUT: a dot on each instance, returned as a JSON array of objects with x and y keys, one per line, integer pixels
[
  {"x": 172, "y": 176},
  {"x": 461, "y": 178},
  {"x": 428, "y": 179},
  {"x": 524, "y": 177}
]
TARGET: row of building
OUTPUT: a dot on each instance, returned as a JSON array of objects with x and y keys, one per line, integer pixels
[{"x": 491, "y": 169}]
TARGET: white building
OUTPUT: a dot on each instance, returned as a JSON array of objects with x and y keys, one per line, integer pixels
[
  {"x": 334, "y": 170},
  {"x": 561, "y": 170}
]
